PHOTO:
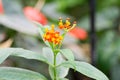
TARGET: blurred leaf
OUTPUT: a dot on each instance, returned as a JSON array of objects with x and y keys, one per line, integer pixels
[
  {"x": 19, "y": 52},
  {"x": 19, "y": 24},
  {"x": 115, "y": 71},
  {"x": 106, "y": 3},
  {"x": 117, "y": 47},
  {"x": 15, "y": 19},
  {"x": 63, "y": 4},
  {"x": 115, "y": 60},
  {"x": 10, "y": 9},
  {"x": 9, "y": 73},
  {"x": 28, "y": 42},
  {"x": 68, "y": 54},
  {"x": 85, "y": 69},
  {"x": 104, "y": 19},
  {"x": 53, "y": 13},
  {"x": 107, "y": 51},
  {"x": 64, "y": 79}
]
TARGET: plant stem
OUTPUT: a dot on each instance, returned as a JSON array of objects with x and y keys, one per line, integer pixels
[{"x": 55, "y": 66}]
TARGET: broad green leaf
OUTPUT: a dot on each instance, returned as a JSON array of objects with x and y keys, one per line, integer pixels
[
  {"x": 68, "y": 54},
  {"x": 48, "y": 54},
  {"x": 51, "y": 72},
  {"x": 15, "y": 19},
  {"x": 59, "y": 59},
  {"x": 19, "y": 52},
  {"x": 61, "y": 72},
  {"x": 9, "y": 73},
  {"x": 86, "y": 69}
]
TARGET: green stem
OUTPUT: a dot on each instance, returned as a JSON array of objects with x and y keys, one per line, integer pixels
[{"x": 55, "y": 66}]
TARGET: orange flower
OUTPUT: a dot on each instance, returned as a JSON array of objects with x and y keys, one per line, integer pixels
[
  {"x": 67, "y": 25},
  {"x": 52, "y": 36}
]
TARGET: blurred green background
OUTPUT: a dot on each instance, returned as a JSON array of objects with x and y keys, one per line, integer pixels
[{"x": 17, "y": 29}]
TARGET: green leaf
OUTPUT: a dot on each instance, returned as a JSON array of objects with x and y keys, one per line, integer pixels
[
  {"x": 19, "y": 52},
  {"x": 85, "y": 69},
  {"x": 48, "y": 54},
  {"x": 106, "y": 50},
  {"x": 51, "y": 72},
  {"x": 9, "y": 73},
  {"x": 115, "y": 71},
  {"x": 64, "y": 4},
  {"x": 68, "y": 54},
  {"x": 104, "y": 19},
  {"x": 59, "y": 59},
  {"x": 41, "y": 32},
  {"x": 15, "y": 19},
  {"x": 61, "y": 72}
]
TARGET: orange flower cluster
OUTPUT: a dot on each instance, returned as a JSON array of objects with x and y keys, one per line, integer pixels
[
  {"x": 66, "y": 25},
  {"x": 52, "y": 36}
]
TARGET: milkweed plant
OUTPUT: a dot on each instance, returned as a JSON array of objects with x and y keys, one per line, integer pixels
[{"x": 51, "y": 55}]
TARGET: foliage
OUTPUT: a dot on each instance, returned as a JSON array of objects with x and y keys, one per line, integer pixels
[
  {"x": 109, "y": 53},
  {"x": 52, "y": 56},
  {"x": 13, "y": 19}
]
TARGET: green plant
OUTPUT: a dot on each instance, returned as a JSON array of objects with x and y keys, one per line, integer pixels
[{"x": 52, "y": 55}]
